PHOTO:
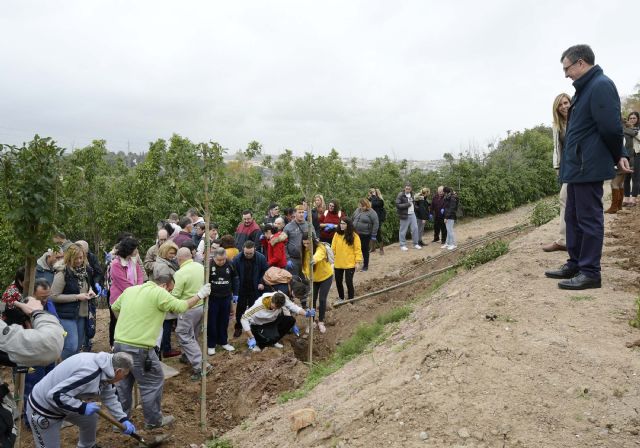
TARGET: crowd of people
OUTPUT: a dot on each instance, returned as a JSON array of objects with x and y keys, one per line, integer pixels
[{"x": 259, "y": 279}]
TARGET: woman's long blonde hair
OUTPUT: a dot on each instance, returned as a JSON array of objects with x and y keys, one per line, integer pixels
[{"x": 559, "y": 122}]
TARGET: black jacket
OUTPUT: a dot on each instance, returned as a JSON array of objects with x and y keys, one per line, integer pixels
[
  {"x": 403, "y": 204},
  {"x": 377, "y": 204},
  {"x": 422, "y": 207},
  {"x": 450, "y": 206}
]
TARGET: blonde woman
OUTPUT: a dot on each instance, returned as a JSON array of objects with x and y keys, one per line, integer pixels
[
  {"x": 70, "y": 292},
  {"x": 422, "y": 204},
  {"x": 319, "y": 207},
  {"x": 560, "y": 117},
  {"x": 377, "y": 204}
]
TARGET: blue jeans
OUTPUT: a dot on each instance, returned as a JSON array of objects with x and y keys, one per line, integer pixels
[
  {"x": 75, "y": 329},
  {"x": 451, "y": 237}
]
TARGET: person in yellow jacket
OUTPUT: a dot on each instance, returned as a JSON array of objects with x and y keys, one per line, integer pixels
[
  {"x": 348, "y": 254},
  {"x": 322, "y": 274}
]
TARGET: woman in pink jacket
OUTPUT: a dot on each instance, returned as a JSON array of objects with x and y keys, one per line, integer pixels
[{"x": 124, "y": 271}]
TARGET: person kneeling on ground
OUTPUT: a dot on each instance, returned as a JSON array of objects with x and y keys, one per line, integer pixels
[
  {"x": 59, "y": 396},
  {"x": 269, "y": 319}
]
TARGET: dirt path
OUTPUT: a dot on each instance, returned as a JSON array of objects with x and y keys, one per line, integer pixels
[{"x": 551, "y": 371}]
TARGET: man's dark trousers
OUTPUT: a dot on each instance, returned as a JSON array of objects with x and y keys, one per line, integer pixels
[{"x": 585, "y": 227}]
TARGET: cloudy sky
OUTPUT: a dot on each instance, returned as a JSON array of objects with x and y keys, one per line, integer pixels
[{"x": 411, "y": 79}]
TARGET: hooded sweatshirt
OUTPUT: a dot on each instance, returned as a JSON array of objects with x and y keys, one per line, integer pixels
[
  {"x": 261, "y": 313},
  {"x": 78, "y": 378},
  {"x": 43, "y": 270}
]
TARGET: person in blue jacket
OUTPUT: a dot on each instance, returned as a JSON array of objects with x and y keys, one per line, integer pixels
[{"x": 593, "y": 146}]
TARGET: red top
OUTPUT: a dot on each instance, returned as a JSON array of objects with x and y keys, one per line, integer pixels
[
  {"x": 329, "y": 218},
  {"x": 276, "y": 255}
]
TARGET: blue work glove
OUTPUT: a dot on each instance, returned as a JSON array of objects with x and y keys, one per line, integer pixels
[
  {"x": 289, "y": 264},
  {"x": 91, "y": 408},
  {"x": 128, "y": 428},
  {"x": 98, "y": 289},
  {"x": 262, "y": 237},
  {"x": 373, "y": 238},
  {"x": 430, "y": 217},
  {"x": 442, "y": 211},
  {"x": 296, "y": 330},
  {"x": 251, "y": 342},
  {"x": 310, "y": 313},
  {"x": 331, "y": 226},
  {"x": 234, "y": 299}
]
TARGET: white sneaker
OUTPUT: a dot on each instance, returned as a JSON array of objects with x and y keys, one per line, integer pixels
[
  {"x": 211, "y": 351},
  {"x": 451, "y": 247},
  {"x": 278, "y": 345},
  {"x": 444, "y": 246},
  {"x": 228, "y": 347},
  {"x": 417, "y": 246},
  {"x": 256, "y": 349},
  {"x": 404, "y": 248}
]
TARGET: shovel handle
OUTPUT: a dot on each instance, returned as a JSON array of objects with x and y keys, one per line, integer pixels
[{"x": 108, "y": 417}]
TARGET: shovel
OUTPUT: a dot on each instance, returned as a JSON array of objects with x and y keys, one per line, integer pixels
[{"x": 150, "y": 443}]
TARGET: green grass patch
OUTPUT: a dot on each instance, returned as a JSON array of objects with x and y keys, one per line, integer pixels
[
  {"x": 545, "y": 211},
  {"x": 581, "y": 298},
  {"x": 485, "y": 254},
  {"x": 219, "y": 443},
  {"x": 636, "y": 322},
  {"x": 365, "y": 336}
]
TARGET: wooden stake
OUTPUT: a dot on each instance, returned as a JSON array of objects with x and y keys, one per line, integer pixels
[{"x": 205, "y": 309}]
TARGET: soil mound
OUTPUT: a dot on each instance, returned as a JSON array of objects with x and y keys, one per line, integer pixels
[{"x": 499, "y": 356}]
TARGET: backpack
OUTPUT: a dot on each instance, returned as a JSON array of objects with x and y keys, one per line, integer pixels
[{"x": 331, "y": 257}]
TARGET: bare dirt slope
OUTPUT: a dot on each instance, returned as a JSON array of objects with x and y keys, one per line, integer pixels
[{"x": 551, "y": 371}]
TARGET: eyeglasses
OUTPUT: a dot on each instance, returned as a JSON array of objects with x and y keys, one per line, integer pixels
[{"x": 570, "y": 65}]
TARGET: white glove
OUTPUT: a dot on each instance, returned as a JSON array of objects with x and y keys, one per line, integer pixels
[{"x": 205, "y": 290}]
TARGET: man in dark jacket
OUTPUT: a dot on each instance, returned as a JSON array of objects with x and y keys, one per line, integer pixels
[
  {"x": 593, "y": 145},
  {"x": 44, "y": 265},
  {"x": 250, "y": 266},
  {"x": 437, "y": 210},
  {"x": 407, "y": 216}
]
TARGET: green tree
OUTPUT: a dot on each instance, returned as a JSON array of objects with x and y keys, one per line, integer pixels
[{"x": 31, "y": 187}]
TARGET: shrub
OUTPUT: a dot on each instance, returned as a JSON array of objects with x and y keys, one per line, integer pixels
[
  {"x": 545, "y": 211},
  {"x": 485, "y": 254}
]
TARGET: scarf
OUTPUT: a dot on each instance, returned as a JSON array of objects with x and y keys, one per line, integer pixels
[
  {"x": 132, "y": 273},
  {"x": 81, "y": 275}
]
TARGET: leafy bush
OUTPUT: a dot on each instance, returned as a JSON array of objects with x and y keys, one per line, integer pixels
[
  {"x": 545, "y": 211},
  {"x": 485, "y": 254}
]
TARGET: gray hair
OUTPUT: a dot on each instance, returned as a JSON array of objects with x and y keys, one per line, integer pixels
[
  {"x": 163, "y": 279},
  {"x": 219, "y": 252},
  {"x": 122, "y": 360},
  {"x": 576, "y": 52}
]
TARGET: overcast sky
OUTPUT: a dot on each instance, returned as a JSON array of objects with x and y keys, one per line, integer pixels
[{"x": 411, "y": 79}]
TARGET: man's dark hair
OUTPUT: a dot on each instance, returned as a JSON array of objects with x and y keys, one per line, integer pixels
[
  {"x": 184, "y": 222},
  {"x": 246, "y": 211},
  {"x": 163, "y": 279},
  {"x": 193, "y": 212},
  {"x": 248, "y": 245},
  {"x": 581, "y": 51},
  {"x": 278, "y": 299},
  {"x": 41, "y": 283},
  {"x": 272, "y": 205},
  {"x": 213, "y": 225},
  {"x": 189, "y": 244},
  {"x": 289, "y": 211},
  {"x": 447, "y": 189},
  {"x": 300, "y": 290},
  {"x": 269, "y": 228},
  {"x": 126, "y": 247},
  {"x": 200, "y": 225}
]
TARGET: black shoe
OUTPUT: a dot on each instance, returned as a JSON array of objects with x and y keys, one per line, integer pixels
[
  {"x": 435, "y": 241},
  {"x": 580, "y": 281},
  {"x": 564, "y": 272},
  {"x": 420, "y": 243},
  {"x": 237, "y": 332}
]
